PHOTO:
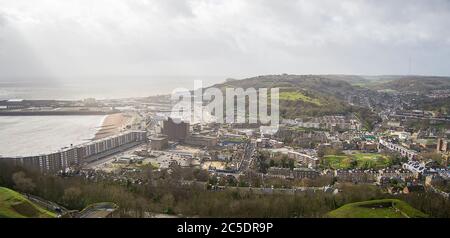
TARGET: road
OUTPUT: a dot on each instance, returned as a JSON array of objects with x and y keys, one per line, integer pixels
[
  {"x": 49, "y": 205},
  {"x": 99, "y": 210},
  {"x": 247, "y": 158}
]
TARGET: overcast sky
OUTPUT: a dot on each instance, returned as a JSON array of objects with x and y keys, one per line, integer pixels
[{"x": 224, "y": 38}]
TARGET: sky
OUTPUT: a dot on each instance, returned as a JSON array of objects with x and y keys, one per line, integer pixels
[{"x": 103, "y": 40}]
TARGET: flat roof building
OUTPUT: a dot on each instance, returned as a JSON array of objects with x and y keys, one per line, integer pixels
[
  {"x": 159, "y": 142},
  {"x": 201, "y": 140},
  {"x": 175, "y": 130}
]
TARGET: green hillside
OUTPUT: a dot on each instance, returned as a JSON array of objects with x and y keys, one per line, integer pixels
[
  {"x": 422, "y": 84},
  {"x": 313, "y": 83},
  {"x": 340, "y": 85},
  {"x": 15, "y": 205},
  {"x": 319, "y": 95},
  {"x": 302, "y": 95},
  {"x": 384, "y": 208}
]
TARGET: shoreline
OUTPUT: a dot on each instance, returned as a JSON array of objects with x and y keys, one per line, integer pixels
[
  {"x": 36, "y": 135},
  {"x": 112, "y": 124}
]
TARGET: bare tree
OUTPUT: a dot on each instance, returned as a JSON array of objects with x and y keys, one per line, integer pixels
[
  {"x": 72, "y": 197},
  {"x": 22, "y": 183}
]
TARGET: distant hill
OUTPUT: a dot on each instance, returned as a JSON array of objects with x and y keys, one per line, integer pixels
[
  {"x": 303, "y": 95},
  {"x": 421, "y": 84},
  {"x": 318, "y": 95},
  {"x": 355, "y": 80},
  {"x": 385, "y": 208},
  {"x": 15, "y": 205},
  {"x": 316, "y": 83}
]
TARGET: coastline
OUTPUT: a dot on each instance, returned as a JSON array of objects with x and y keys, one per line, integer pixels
[
  {"x": 35, "y": 135},
  {"x": 111, "y": 125}
]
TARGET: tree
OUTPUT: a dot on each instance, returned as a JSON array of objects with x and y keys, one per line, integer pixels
[
  {"x": 291, "y": 163},
  {"x": 22, "y": 183},
  {"x": 433, "y": 156},
  {"x": 72, "y": 197},
  {"x": 231, "y": 181},
  {"x": 353, "y": 164},
  {"x": 325, "y": 150},
  {"x": 148, "y": 173},
  {"x": 272, "y": 163},
  {"x": 284, "y": 161},
  {"x": 168, "y": 201},
  {"x": 201, "y": 175}
]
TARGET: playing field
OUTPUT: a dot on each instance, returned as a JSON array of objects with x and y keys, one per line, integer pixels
[
  {"x": 360, "y": 160},
  {"x": 385, "y": 208},
  {"x": 15, "y": 205}
]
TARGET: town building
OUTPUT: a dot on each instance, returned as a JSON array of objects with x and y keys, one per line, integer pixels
[
  {"x": 175, "y": 130},
  {"x": 201, "y": 140},
  {"x": 355, "y": 175},
  {"x": 158, "y": 142},
  {"x": 443, "y": 145},
  {"x": 405, "y": 152},
  {"x": 304, "y": 159},
  {"x": 368, "y": 146},
  {"x": 279, "y": 172},
  {"x": 76, "y": 155},
  {"x": 268, "y": 143},
  {"x": 302, "y": 173}
]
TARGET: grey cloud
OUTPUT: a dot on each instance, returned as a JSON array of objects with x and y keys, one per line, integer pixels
[
  {"x": 176, "y": 7},
  {"x": 2, "y": 20},
  {"x": 18, "y": 63},
  {"x": 232, "y": 38}
]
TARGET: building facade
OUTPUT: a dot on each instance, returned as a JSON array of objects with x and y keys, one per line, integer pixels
[
  {"x": 175, "y": 131},
  {"x": 159, "y": 143},
  {"x": 201, "y": 140},
  {"x": 75, "y": 155}
]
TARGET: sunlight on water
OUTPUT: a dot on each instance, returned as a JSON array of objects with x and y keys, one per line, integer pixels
[{"x": 34, "y": 135}]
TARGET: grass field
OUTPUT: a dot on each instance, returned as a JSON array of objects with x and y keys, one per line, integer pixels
[
  {"x": 385, "y": 208},
  {"x": 15, "y": 205},
  {"x": 298, "y": 96},
  {"x": 360, "y": 160}
]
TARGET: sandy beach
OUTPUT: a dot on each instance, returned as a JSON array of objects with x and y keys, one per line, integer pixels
[{"x": 112, "y": 124}]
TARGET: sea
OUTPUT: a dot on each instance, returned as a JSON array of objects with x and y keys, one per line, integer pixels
[
  {"x": 99, "y": 89},
  {"x": 35, "y": 135}
]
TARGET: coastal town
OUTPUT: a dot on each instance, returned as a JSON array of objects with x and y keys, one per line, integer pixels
[
  {"x": 398, "y": 153},
  {"x": 224, "y": 118}
]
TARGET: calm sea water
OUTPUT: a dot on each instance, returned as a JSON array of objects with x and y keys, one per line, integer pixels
[
  {"x": 116, "y": 88},
  {"x": 34, "y": 135}
]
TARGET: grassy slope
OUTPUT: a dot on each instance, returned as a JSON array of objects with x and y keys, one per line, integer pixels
[
  {"x": 15, "y": 205},
  {"x": 344, "y": 161},
  {"x": 398, "y": 209},
  {"x": 298, "y": 96}
]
